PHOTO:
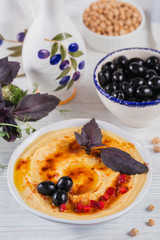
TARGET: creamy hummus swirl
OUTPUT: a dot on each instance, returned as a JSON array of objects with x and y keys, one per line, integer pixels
[{"x": 57, "y": 154}]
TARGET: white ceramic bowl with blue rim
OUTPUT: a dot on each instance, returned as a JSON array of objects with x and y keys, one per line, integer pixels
[
  {"x": 105, "y": 43},
  {"x": 68, "y": 124},
  {"x": 132, "y": 114}
]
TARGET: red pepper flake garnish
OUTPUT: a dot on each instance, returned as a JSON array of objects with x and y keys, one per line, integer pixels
[
  {"x": 122, "y": 178},
  {"x": 111, "y": 191},
  {"x": 63, "y": 207},
  {"x": 122, "y": 189},
  {"x": 105, "y": 197},
  {"x": 93, "y": 203},
  {"x": 79, "y": 207},
  {"x": 86, "y": 208},
  {"x": 101, "y": 204}
]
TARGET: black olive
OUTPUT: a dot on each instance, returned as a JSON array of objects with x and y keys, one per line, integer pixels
[
  {"x": 127, "y": 89},
  {"x": 137, "y": 60},
  {"x": 121, "y": 61},
  {"x": 136, "y": 69},
  {"x": 65, "y": 183},
  {"x": 118, "y": 94},
  {"x": 151, "y": 62},
  {"x": 109, "y": 66},
  {"x": 108, "y": 88},
  {"x": 59, "y": 197},
  {"x": 144, "y": 92},
  {"x": 118, "y": 76},
  {"x": 136, "y": 82},
  {"x": 150, "y": 73},
  {"x": 154, "y": 82},
  {"x": 101, "y": 79},
  {"x": 107, "y": 76},
  {"x": 115, "y": 86},
  {"x": 157, "y": 68},
  {"x": 46, "y": 188},
  {"x": 111, "y": 87}
]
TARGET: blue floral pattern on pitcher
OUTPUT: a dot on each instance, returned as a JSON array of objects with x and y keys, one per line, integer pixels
[{"x": 66, "y": 58}]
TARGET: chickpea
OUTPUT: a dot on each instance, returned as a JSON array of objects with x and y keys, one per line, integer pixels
[
  {"x": 116, "y": 28},
  {"x": 87, "y": 23},
  {"x": 134, "y": 232},
  {"x": 151, "y": 222},
  {"x": 116, "y": 12},
  {"x": 108, "y": 23},
  {"x": 113, "y": 4},
  {"x": 156, "y": 140},
  {"x": 150, "y": 207},
  {"x": 129, "y": 13},
  {"x": 108, "y": 6},
  {"x": 110, "y": 28},
  {"x": 94, "y": 6},
  {"x": 120, "y": 23},
  {"x": 128, "y": 22},
  {"x": 100, "y": 11},
  {"x": 131, "y": 28},
  {"x": 110, "y": 16},
  {"x": 99, "y": 29},
  {"x": 126, "y": 27},
  {"x": 101, "y": 17},
  {"x": 103, "y": 25},
  {"x": 156, "y": 148},
  {"x": 123, "y": 17}
]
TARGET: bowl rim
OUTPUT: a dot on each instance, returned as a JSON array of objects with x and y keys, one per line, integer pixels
[
  {"x": 116, "y": 100},
  {"x": 119, "y": 36},
  {"x": 75, "y": 123}
]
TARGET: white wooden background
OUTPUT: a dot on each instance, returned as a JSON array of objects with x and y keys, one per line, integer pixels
[{"x": 16, "y": 223}]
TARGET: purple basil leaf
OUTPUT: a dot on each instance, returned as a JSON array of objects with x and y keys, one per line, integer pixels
[
  {"x": 4, "y": 70},
  {"x": 92, "y": 132},
  {"x": 35, "y": 106},
  {"x": 8, "y": 71},
  {"x": 14, "y": 68},
  {"x": 12, "y": 132},
  {"x": 90, "y": 136},
  {"x": 121, "y": 161},
  {"x": 80, "y": 139}
]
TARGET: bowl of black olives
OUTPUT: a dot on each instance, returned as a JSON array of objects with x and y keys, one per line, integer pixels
[{"x": 128, "y": 83}]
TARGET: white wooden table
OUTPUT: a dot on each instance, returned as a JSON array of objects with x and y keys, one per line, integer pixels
[{"x": 16, "y": 223}]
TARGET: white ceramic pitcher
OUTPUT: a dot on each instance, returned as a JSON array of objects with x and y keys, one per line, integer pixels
[{"x": 54, "y": 51}]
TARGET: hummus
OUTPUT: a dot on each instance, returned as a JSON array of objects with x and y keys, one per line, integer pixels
[{"x": 57, "y": 154}]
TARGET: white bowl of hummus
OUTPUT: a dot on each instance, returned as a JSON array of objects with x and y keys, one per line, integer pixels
[{"x": 52, "y": 152}]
